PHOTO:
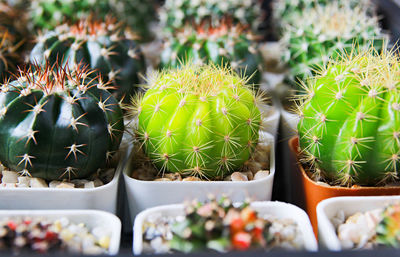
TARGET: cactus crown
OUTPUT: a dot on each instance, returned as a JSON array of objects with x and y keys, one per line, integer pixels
[
  {"x": 199, "y": 120},
  {"x": 350, "y": 119},
  {"x": 327, "y": 31}
]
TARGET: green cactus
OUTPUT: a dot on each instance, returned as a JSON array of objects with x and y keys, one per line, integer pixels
[
  {"x": 199, "y": 120},
  {"x": 388, "y": 229},
  {"x": 177, "y": 13},
  {"x": 104, "y": 45},
  {"x": 57, "y": 123},
  {"x": 137, "y": 14},
  {"x": 327, "y": 31},
  {"x": 224, "y": 44},
  {"x": 349, "y": 125}
]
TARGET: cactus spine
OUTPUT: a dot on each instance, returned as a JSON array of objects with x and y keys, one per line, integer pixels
[
  {"x": 224, "y": 44},
  {"x": 198, "y": 119},
  {"x": 327, "y": 31},
  {"x": 104, "y": 45},
  {"x": 57, "y": 123},
  {"x": 350, "y": 119}
]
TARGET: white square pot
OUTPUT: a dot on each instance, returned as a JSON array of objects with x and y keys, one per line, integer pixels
[
  {"x": 328, "y": 209},
  {"x": 100, "y": 198},
  {"x": 90, "y": 218},
  {"x": 145, "y": 194},
  {"x": 277, "y": 209}
]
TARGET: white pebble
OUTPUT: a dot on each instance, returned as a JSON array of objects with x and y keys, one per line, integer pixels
[
  {"x": 23, "y": 181},
  {"x": 38, "y": 182},
  {"x": 9, "y": 177},
  {"x": 261, "y": 174},
  {"x": 65, "y": 185},
  {"x": 237, "y": 176},
  {"x": 89, "y": 184},
  {"x": 97, "y": 182},
  {"x": 54, "y": 183}
]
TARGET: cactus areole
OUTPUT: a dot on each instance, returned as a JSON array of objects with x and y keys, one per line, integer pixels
[
  {"x": 198, "y": 120},
  {"x": 58, "y": 124},
  {"x": 350, "y": 122}
]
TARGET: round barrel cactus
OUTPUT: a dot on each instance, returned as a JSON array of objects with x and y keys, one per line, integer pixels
[
  {"x": 137, "y": 14},
  {"x": 200, "y": 120},
  {"x": 175, "y": 14},
  {"x": 350, "y": 121},
  {"x": 326, "y": 32},
  {"x": 104, "y": 45},
  {"x": 221, "y": 45},
  {"x": 58, "y": 124}
]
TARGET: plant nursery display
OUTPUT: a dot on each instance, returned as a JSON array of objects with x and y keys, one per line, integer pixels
[
  {"x": 219, "y": 225},
  {"x": 371, "y": 229},
  {"x": 223, "y": 44},
  {"x": 106, "y": 46},
  {"x": 350, "y": 120},
  {"x": 135, "y": 13},
  {"x": 175, "y": 14},
  {"x": 23, "y": 235},
  {"x": 58, "y": 123},
  {"x": 327, "y": 32},
  {"x": 198, "y": 120}
]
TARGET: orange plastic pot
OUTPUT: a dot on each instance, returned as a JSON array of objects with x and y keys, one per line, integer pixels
[{"x": 313, "y": 192}]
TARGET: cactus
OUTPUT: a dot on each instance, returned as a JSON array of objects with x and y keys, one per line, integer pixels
[
  {"x": 136, "y": 14},
  {"x": 327, "y": 31},
  {"x": 349, "y": 125},
  {"x": 199, "y": 120},
  {"x": 58, "y": 124},
  {"x": 219, "y": 226},
  {"x": 103, "y": 45},
  {"x": 388, "y": 229},
  {"x": 224, "y": 44},
  {"x": 177, "y": 13}
]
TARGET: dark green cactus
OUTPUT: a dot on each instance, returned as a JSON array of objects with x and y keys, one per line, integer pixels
[
  {"x": 137, "y": 14},
  {"x": 198, "y": 119},
  {"x": 222, "y": 45},
  {"x": 327, "y": 32},
  {"x": 349, "y": 125},
  {"x": 177, "y": 13},
  {"x": 105, "y": 46},
  {"x": 57, "y": 123}
]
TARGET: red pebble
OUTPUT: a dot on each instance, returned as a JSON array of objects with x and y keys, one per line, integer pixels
[
  {"x": 241, "y": 241},
  {"x": 11, "y": 224},
  {"x": 50, "y": 236},
  {"x": 237, "y": 225}
]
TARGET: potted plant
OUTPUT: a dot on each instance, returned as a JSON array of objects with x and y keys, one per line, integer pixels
[
  {"x": 359, "y": 222},
  {"x": 220, "y": 226},
  {"x": 349, "y": 129},
  {"x": 205, "y": 150},
  {"x": 58, "y": 127},
  {"x": 104, "y": 45}
]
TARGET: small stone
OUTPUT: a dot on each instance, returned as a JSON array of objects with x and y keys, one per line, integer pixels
[
  {"x": 255, "y": 166},
  {"x": 249, "y": 175},
  {"x": 65, "y": 185},
  {"x": 104, "y": 242},
  {"x": 54, "y": 183},
  {"x": 238, "y": 176},
  {"x": 162, "y": 179},
  {"x": 79, "y": 183},
  {"x": 23, "y": 181},
  {"x": 97, "y": 182},
  {"x": 89, "y": 184},
  {"x": 173, "y": 176},
  {"x": 9, "y": 177},
  {"x": 228, "y": 178},
  {"x": 261, "y": 174},
  {"x": 191, "y": 179},
  {"x": 38, "y": 182}
]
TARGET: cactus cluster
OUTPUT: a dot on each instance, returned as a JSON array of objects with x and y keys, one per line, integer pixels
[
  {"x": 175, "y": 14},
  {"x": 349, "y": 125},
  {"x": 225, "y": 44},
  {"x": 218, "y": 225},
  {"x": 388, "y": 229},
  {"x": 106, "y": 46},
  {"x": 200, "y": 120},
  {"x": 136, "y": 14},
  {"x": 58, "y": 123},
  {"x": 327, "y": 31}
]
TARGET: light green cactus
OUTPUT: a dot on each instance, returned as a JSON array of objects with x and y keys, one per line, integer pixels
[
  {"x": 327, "y": 31},
  {"x": 200, "y": 120},
  {"x": 349, "y": 125}
]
